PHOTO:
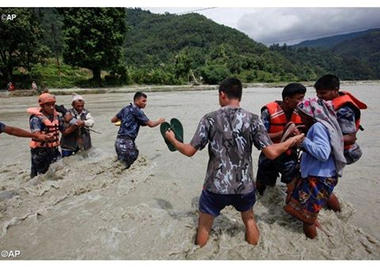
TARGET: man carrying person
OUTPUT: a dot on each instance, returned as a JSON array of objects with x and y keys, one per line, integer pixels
[
  {"x": 131, "y": 117},
  {"x": 80, "y": 138},
  {"x": 230, "y": 133},
  {"x": 275, "y": 115}
]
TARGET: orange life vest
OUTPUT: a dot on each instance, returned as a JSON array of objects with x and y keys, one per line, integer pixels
[
  {"x": 50, "y": 127},
  {"x": 347, "y": 98},
  {"x": 278, "y": 118}
]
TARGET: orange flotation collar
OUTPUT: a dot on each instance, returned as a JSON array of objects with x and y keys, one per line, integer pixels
[{"x": 50, "y": 127}]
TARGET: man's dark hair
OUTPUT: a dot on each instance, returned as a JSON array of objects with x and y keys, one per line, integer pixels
[
  {"x": 138, "y": 95},
  {"x": 232, "y": 87},
  {"x": 292, "y": 89},
  {"x": 327, "y": 82}
]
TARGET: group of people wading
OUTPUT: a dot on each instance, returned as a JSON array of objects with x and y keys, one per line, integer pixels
[{"x": 305, "y": 141}]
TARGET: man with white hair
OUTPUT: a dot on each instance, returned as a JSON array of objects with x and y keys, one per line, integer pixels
[{"x": 79, "y": 139}]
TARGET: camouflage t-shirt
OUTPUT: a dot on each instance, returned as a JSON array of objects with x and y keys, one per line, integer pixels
[{"x": 230, "y": 133}]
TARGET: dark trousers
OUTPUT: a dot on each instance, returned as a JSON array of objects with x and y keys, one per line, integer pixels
[
  {"x": 42, "y": 158},
  {"x": 126, "y": 151}
]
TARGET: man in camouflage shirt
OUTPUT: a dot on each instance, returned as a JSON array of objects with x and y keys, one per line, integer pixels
[{"x": 230, "y": 132}]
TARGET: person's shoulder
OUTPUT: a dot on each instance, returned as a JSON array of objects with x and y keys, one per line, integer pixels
[
  {"x": 34, "y": 117},
  {"x": 250, "y": 116},
  {"x": 212, "y": 114},
  {"x": 318, "y": 126},
  {"x": 125, "y": 108}
]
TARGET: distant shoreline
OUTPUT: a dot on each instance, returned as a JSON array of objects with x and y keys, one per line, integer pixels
[{"x": 159, "y": 88}]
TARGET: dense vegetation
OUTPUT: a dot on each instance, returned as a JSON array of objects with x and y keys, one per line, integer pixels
[{"x": 109, "y": 46}]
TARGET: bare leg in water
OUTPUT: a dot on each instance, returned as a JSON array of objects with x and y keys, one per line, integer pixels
[
  {"x": 290, "y": 187},
  {"x": 251, "y": 231},
  {"x": 310, "y": 230},
  {"x": 204, "y": 227},
  {"x": 333, "y": 203},
  {"x": 206, "y": 221}
]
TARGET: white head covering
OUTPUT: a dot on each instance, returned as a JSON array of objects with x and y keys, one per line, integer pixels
[{"x": 77, "y": 97}]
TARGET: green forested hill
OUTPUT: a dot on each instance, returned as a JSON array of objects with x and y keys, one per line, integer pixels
[
  {"x": 205, "y": 46},
  {"x": 156, "y": 38},
  {"x": 365, "y": 48},
  {"x": 192, "y": 43},
  {"x": 161, "y": 49},
  {"x": 331, "y": 41}
]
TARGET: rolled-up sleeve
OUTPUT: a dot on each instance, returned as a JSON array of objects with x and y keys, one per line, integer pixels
[
  {"x": 141, "y": 117},
  {"x": 89, "y": 122},
  {"x": 35, "y": 124},
  {"x": 265, "y": 118},
  {"x": 259, "y": 134}
]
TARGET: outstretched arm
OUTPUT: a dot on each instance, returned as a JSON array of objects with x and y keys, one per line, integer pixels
[
  {"x": 275, "y": 150},
  {"x": 185, "y": 148},
  {"x": 151, "y": 123},
  {"x": 18, "y": 132}
]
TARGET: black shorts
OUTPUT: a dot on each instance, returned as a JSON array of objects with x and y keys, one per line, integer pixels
[{"x": 211, "y": 203}]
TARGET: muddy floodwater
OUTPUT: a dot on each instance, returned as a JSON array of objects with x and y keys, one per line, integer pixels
[{"x": 89, "y": 207}]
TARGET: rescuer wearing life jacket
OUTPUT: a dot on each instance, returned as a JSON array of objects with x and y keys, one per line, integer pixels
[
  {"x": 45, "y": 120},
  {"x": 80, "y": 138},
  {"x": 347, "y": 109},
  {"x": 275, "y": 115}
]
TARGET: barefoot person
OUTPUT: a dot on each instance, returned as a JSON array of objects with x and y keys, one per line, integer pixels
[
  {"x": 131, "y": 117},
  {"x": 322, "y": 162},
  {"x": 230, "y": 133}
]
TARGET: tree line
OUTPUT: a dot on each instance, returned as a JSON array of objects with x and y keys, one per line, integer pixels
[{"x": 65, "y": 47}]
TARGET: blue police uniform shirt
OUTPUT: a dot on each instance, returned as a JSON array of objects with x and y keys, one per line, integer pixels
[{"x": 132, "y": 117}]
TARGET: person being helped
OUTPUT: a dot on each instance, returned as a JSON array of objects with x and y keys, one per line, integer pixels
[
  {"x": 322, "y": 162},
  {"x": 347, "y": 108},
  {"x": 45, "y": 120},
  {"x": 230, "y": 133},
  {"x": 275, "y": 115},
  {"x": 131, "y": 117},
  {"x": 80, "y": 139},
  {"x": 18, "y": 132}
]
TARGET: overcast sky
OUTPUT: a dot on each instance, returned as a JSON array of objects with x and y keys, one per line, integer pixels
[{"x": 288, "y": 25}]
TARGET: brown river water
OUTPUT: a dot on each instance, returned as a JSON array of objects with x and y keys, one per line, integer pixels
[{"x": 88, "y": 207}]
